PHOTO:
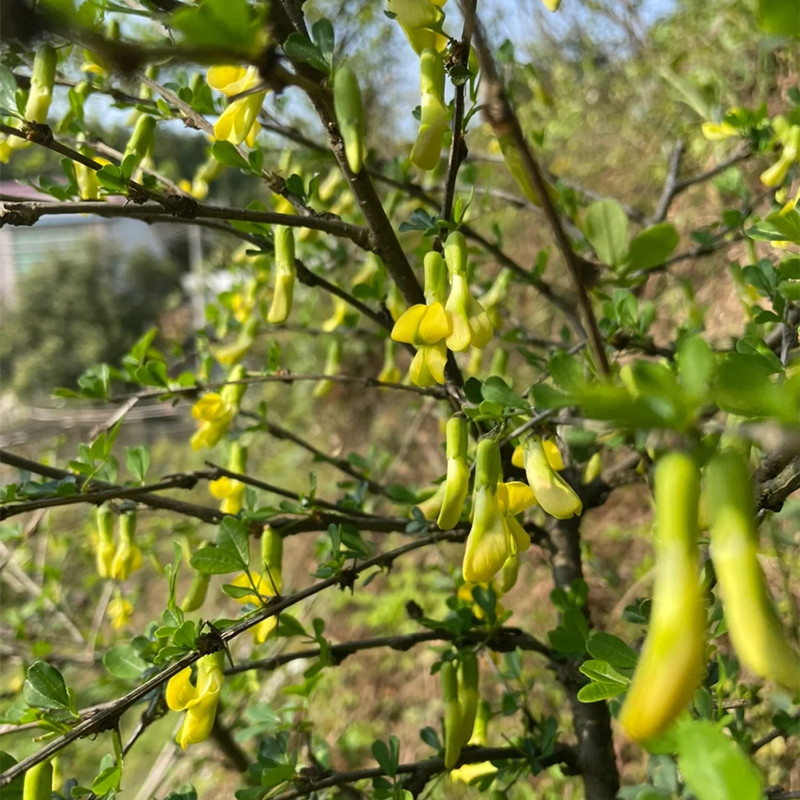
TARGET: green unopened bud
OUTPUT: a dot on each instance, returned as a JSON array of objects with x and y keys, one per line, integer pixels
[
  {"x": 434, "y": 114},
  {"x": 285, "y": 273},
  {"x": 468, "y": 695},
  {"x": 272, "y": 554},
  {"x": 753, "y": 623},
  {"x": 349, "y": 107},
  {"x": 141, "y": 140},
  {"x": 333, "y": 362},
  {"x": 198, "y": 590},
  {"x": 673, "y": 657},
  {"x": 452, "y": 714},
  {"x": 38, "y": 782},
  {"x": 232, "y": 393},
  {"x": 42, "y": 80},
  {"x": 435, "y": 278},
  {"x": 104, "y": 554},
  {"x": 128, "y": 557},
  {"x": 457, "y": 481}
]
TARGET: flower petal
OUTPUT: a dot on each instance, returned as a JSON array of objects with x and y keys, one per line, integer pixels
[
  {"x": 436, "y": 358},
  {"x": 435, "y": 324},
  {"x": 405, "y": 329}
]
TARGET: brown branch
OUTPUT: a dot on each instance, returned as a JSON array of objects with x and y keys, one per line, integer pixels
[
  {"x": 100, "y": 496},
  {"x": 670, "y": 184},
  {"x": 502, "y": 640},
  {"x": 283, "y": 377},
  {"x": 204, "y": 513},
  {"x": 248, "y": 480},
  {"x": 29, "y": 213},
  {"x": 422, "y": 771},
  {"x": 504, "y": 122},
  {"x": 592, "y": 721}
]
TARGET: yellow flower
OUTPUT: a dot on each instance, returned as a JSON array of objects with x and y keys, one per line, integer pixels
[
  {"x": 472, "y": 773},
  {"x": 426, "y": 327},
  {"x": 717, "y": 131},
  {"x": 551, "y": 451},
  {"x": 471, "y": 323},
  {"x": 119, "y": 612},
  {"x": 420, "y": 20},
  {"x": 264, "y": 588},
  {"x": 230, "y": 491},
  {"x": 214, "y": 417},
  {"x": 390, "y": 373},
  {"x": 337, "y": 318},
  {"x": 552, "y": 492},
  {"x": 495, "y": 534},
  {"x": 199, "y": 700},
  {"x": 237, "y": 122}
]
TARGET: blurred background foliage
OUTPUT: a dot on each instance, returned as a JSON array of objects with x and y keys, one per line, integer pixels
[{"x": 606, "y": 89}]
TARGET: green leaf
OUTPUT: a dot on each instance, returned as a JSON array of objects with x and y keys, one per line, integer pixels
[
  {"x": 111, "y": 178},
  {"x": 236, "y": 592},
  {"x": 8, "y": 90},
  {"x": 233, "y": 539},
  {"x": 227, "y": 154},
  {"x": 606, "y": 228},
  {"x": 227, "y": 24},
  {"x": 137, "y": 460},
  {"x": 696, "y": 364},
  {"x": 213, "y": 561},
  {"x": 107, "y": 780},
  {"x": 14, "y": 789},
  {"x": 714, "y": 766},
  {"x": 595, "y": 691},
  {"x": 496, "y": 390},
  {"x": 602, "y": 672},
  {"x": 781, "y": 17},
  {"x": 298, "y": 48},
  {"x": 123, "y": 662},
  {"x": 652, "y": 246},
  {"x": 289, "y": 626},
  {"x": 44, "y": 687},
  {"x": 610, "y": 648},
  {"x": 324, "y": 38}
]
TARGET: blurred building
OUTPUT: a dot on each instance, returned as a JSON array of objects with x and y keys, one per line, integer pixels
[{"x": 22, "y": 249}]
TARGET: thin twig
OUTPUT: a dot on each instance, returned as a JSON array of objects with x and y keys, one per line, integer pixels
[
  {"x": 502, "y": 640},
  {"x": 504, "y": 122}
]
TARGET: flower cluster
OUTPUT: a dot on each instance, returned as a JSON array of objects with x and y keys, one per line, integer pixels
[
  {"x": 237, "y": 123},
  {"x": 495, "y": 535},
  {"x": 435, "y": 326},
  {"x": 199, "y": 700}
]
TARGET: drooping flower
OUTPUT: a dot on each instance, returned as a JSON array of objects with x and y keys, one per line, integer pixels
[
  {"x": 471, "y": 323},
  {"x": 389, "y": 373},
  {"x": 427, "y": 327},
  {"x": 229, "y": 490},
  {"x": 119, "y": 612},
  {"x": 263, "y": 588},
  {"x": 215, "y": 411},
  {"x": 552, "y": 492},
  {"x": 421, "y": 21},
  {"x": 434, "y": 114},
  {"x": 237, "y": 123},
  {"x": 495, "y": 533},
  {"x": 198, "y": 700},
  {"x": 214, "y": 417},
  {"x": 128, "y": 556}
]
